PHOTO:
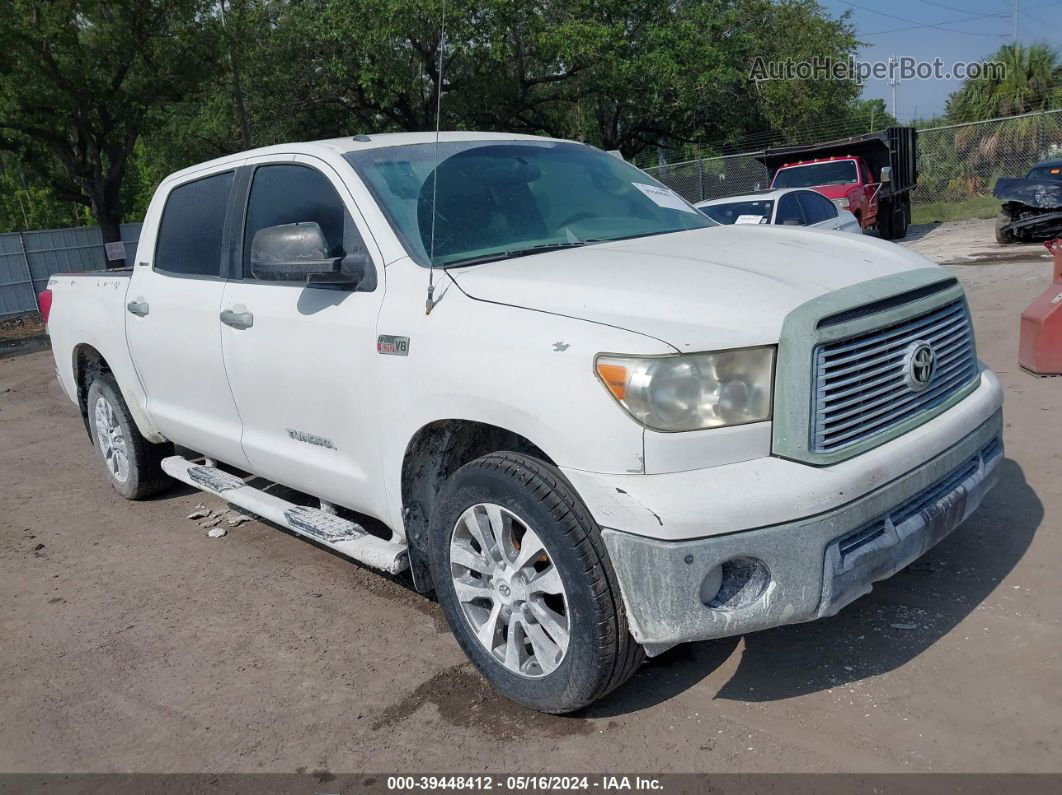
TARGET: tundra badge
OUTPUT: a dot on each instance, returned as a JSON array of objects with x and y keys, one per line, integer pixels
[{"x": 310, "y": 438}]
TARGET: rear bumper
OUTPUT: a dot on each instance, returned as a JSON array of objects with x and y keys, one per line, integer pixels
[{"x": 679, "y": 591}]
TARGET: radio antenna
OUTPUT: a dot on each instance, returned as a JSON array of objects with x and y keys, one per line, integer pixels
[{"x": 429, "y": 304}]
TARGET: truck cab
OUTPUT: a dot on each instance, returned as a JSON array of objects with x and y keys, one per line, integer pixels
[
  {"x": 846, "y": 181},
  {"x": 593, "y": 422}
]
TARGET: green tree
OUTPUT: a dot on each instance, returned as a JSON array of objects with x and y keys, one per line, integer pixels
[
  {"x": 30, "y": 204},
  {"x": 800, "y": 31},
  {"x": 1031, "y": 81},
  {"x": 82, "y": 78}
]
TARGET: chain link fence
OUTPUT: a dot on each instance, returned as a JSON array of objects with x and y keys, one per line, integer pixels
[
  {"x": 955, "y": 163},
  {"x": 963, "y": 161}
]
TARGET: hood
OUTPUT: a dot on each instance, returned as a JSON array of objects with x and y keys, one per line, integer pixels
[
  {"x": 836, "y": 191},
  {"x": 1039, "y": 193},
  {"x": 723, "y": 287}
]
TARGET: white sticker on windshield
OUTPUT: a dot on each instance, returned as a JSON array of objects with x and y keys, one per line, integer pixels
[
  {"x": 664, "y": 197},
  {"x": 750, "y": 219}
]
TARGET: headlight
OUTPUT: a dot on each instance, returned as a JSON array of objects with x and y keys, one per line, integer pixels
[
  {"x": 691, "y": 391},
  {"x": 844, "y": 204}
]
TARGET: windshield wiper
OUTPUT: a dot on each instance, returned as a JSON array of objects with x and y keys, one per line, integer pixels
[{"x": 540, "y": 248}]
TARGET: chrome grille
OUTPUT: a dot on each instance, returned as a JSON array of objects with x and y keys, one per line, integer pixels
[{"x": 860, "y": 386}]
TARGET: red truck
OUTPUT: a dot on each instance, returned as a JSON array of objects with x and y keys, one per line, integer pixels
[{"x": 871, "y": 175}]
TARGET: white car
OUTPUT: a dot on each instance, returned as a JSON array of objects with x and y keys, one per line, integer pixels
[
  {"x": 593, "y": 422},
  {"x": 785, "y": 206}
]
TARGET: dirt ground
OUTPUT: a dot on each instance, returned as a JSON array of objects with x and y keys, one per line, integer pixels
[
  {"x": 968, "y": 242},
  {"x": 133, "y": 642}
]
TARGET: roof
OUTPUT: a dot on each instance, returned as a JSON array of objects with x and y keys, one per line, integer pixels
[
  {"x": 770, "y": 193},
  {"x": 355, "y": 143}
]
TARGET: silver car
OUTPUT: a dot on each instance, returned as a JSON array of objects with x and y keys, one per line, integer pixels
[{"x": 788, "y": 206}]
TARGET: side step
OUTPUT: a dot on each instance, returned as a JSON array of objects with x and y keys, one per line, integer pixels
[{"x": 347, "y": 538}]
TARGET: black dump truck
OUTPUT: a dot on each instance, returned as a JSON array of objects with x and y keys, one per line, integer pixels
[{"x": 870, "y": 175}]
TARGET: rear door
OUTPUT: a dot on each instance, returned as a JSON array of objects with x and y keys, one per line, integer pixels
[
  {"x": 172, "y": 320},
  {"x": 301, "y": 364},
  {"x": 789, "y": 211},
  {"x": 818, "y": 210}
]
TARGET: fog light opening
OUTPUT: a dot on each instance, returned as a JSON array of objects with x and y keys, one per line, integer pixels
[{"x": 735, "y": 584}]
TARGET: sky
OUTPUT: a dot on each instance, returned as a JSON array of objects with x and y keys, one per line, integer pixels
[{"x": 954, "y": 30}]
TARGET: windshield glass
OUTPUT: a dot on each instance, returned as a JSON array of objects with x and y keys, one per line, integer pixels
[
  {"x": 1046, "y": 172},
  {"x": 836, "y": 172},
  {"x": 757, "y": 211},
  {"x": 496, "y": 200}
]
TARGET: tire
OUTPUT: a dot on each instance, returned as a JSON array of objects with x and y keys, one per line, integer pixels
[
  {"x": 133, "y": 464},
  {"x": 1002, "y": 236},
  {"x": 523, "y": 495},
  {"x": 899, "y": 229},
  {"x": 884, "y": 221}
]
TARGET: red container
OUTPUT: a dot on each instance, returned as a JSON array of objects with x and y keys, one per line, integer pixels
[{"x": 1040, "y": 345}]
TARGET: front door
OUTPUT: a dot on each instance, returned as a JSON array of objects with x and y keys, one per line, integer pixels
[
  {"x": 172, "y": 320},
  {"x": 300, "y": 357}
]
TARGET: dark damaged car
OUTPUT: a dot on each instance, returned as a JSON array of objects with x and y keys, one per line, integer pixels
[{"x": 1032, "y": 207}]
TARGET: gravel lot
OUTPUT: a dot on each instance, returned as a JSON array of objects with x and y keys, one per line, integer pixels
[{"x": 133, "y": 642}]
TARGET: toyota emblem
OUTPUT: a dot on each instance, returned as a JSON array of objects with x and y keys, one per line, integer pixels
[{"x": 919, "y": 364}]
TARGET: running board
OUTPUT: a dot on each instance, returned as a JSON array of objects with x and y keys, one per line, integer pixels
[{"x": 345, "y": 537}]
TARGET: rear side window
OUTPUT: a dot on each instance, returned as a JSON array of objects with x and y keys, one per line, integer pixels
[
  {"x": 816, "y": 208},
  {"x": 789, "y": 210},
  {"x": 193, "y": 225},
  {"x": 288, "y": 194}
]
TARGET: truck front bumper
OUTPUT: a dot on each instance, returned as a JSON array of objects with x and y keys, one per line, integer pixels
[{"x": 729, "y": 584}]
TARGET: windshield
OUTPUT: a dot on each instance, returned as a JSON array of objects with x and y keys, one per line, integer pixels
[
  {"x": 1053, "y": 172},
  {"x": 757, "y": 211},
  {"x": 497, "y": 200},
  {"x": 835, "y": 172}
]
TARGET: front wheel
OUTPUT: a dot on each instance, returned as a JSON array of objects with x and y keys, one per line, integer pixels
[
  {"x": 527, "y": 587},
  {"x": 1004, "y": 236}
]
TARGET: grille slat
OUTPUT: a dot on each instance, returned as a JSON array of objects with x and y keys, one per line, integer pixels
[
  {"x": 958, "y": 370},
  {"x": 889, "y": 371},
  {"x": 893, "y": 344},
  {"x": 860, "y": 393},
  {"x": 902, "y": 329},
  {"x": 860, "y": 387},
  {"x": 876, "y": 421}
]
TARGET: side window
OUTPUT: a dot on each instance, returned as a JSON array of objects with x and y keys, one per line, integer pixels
[
  {"x": 288, "y": 194},
  {"x": 816, "y": 208},
  {"x": 827, "y": 206},
  {"x": 789, "y": 210},
  {"x": 192, "y": 227}
]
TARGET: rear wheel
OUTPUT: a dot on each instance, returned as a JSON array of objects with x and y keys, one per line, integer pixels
[
  {"x": 525, "y": 582},
  {"x": 885, "y": 221},
  {"x": 901, "y": 221},
  {"x": 132, "y": 463}
]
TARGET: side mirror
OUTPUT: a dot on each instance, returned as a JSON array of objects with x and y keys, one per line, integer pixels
[
  {"x": 299, "y": 252},
  {"x": 886, "y": 174},
  {"x": 792, "y": 222}
]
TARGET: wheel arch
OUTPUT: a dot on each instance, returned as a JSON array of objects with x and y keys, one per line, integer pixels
[
  {"x": 87, "y": 363},
  {"x": 434, "y": 452}
]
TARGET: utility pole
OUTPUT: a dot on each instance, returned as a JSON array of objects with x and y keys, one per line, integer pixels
[
  {"x": 893, "y": 82},
  {"x": 1017, "y": 15}
]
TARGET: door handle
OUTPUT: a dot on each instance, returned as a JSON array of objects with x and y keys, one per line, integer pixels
[
  {"x": 239, "y": 320},
  {"x": 138, "y": 307}
]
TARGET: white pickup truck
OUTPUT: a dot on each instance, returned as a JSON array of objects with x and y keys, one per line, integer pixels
[{"x": 592, "y": 421}]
